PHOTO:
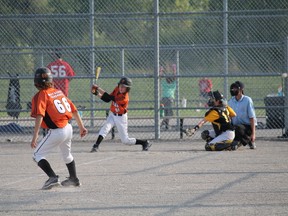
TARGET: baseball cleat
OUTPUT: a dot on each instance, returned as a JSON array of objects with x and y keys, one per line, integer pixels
[
  {"x": 252, "y": 145},
  {"x": 146, "y": 146},
  {"x": 51, "y": 182},
  {"x": 71, "y": 182},
  {"x": 94, "y": 149},
  {"x": 234, "y": 145}
]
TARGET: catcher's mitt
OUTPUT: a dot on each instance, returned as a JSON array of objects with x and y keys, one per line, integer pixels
[{"x": 191, "y": 131}]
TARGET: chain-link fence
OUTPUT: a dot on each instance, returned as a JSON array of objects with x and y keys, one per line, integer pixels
[{"x": 224, "y": 41}]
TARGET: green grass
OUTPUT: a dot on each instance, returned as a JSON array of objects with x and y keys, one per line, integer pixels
[{"x": 142, "y": 94}]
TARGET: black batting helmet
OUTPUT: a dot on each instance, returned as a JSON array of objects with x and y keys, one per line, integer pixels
[
  {"x": 127, "y": 82},
  {"x": 42, "y": 76}
]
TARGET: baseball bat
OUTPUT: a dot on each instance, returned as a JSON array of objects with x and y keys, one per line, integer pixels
[{"x": 97, "y": 73}]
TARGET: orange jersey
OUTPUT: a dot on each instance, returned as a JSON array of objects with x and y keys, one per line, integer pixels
[
  {"x": 60, "y": 69},
  {"x": 54, "y": 106},
  {"x": 120, "y": 104}
]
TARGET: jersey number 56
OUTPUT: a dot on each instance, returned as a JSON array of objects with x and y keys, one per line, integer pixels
[{"x": 58, "y": 71}]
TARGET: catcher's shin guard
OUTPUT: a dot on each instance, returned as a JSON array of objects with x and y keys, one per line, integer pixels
[
  {"x": 205, "y": 136},
  {"x": 217, "y": 146}
]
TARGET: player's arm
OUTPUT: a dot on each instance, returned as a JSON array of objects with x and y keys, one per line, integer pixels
[
  {"x": 191, "y": 131},
  {"x": 253, "y": 135},
  {"x": 161, "y": 71},
  {"x": 38, "y": 121},
  {"x": 252, "y": 116},
  {"x": 174, "y": 68},
  {"x": 107, "y": 98},
  {"x": 96, "y": 90},
  {"x": 83, "y": 130},
  {"x": 231, "y": 112},
  {"x": 70, "y": 72}
]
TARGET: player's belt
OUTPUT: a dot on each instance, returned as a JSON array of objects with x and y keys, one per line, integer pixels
[{"x": 116, "y": 114}]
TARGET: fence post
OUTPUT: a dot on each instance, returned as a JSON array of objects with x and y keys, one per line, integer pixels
[
  {"x": 156, "y": 70},
  {"x": 285, "y": 90},
  {"x": 92, "y": 57},
  {"x": 181, "y": 127},
  {"x": 123, "y": 61}
]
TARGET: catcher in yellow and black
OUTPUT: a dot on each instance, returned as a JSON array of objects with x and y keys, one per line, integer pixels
[{"x": 219, "y": 114}]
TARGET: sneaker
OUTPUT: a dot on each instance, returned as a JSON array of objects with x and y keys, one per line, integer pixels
[
  {"x": 71, "y": 182},
  {"x": 94, "y": 149},
  {"x": 51, "y": 182},
  {"x": 252, "y": 145},
  {"x": 146, "y": 146}
]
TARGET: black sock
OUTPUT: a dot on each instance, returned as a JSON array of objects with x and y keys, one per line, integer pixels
[
  {"x": 140, "y": 142},
  {"x": 45, "y": 166},
  {"x": 72, "y": 169},
  {"x": 99, "y": 140}
]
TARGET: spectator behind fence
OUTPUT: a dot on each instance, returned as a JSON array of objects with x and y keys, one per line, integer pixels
[
  {"x": 61, "y": 69},
  {"x": 245, "y": 122},
  {"x": 168, "y": 87},
  {"x": 205, "y": 86}
]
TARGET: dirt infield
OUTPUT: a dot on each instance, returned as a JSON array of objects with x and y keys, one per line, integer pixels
[{"x": 173, "y": 178}]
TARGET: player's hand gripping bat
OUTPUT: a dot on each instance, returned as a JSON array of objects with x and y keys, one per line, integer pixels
[{"x": 95, "y": 87}]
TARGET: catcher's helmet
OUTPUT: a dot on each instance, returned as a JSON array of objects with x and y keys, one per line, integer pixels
[
  {"x": 127, "y": 82},
  {"x": 216, "y": 96},
  {"x": 42, "y": 75}
]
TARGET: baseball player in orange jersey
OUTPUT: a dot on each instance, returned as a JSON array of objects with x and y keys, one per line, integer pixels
[
  {"x": 118, "y": 114},
  {"x": 52, "y": 110}
]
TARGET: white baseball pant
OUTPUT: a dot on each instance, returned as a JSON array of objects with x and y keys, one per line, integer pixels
[
  {"x": 121, "y": 123},
  {"x": 55, "y": 137},
  {"x": 227, "y": 135}
]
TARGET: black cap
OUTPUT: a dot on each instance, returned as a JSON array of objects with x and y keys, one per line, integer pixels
[{"x": 239, "y": 85}]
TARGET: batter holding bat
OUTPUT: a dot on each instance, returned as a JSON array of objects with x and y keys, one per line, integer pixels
[
  {"x": 219, "y": 114},
  {"x": 119, "y": 99}
]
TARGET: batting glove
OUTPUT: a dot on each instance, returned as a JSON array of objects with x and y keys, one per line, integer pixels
[{"x": 94, "y": 89}]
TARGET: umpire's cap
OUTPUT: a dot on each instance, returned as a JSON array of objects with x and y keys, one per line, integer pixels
[{"x": 239, "y": 85}]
